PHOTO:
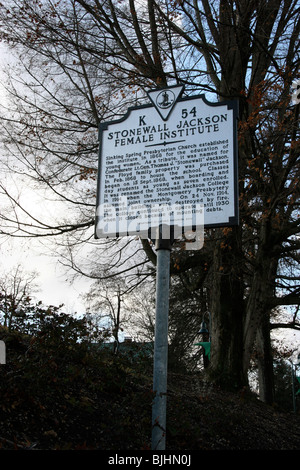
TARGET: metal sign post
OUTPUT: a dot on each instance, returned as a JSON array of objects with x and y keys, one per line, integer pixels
[
  {"x": 2, "y": 352},
  {"x": 160, "y": 365}
]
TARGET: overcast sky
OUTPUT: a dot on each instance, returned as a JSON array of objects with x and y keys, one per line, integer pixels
[{"x": 55, "y": 286}]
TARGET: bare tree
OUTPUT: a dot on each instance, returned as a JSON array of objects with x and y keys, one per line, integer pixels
[
  {"x": 83, "y": 62},
  {"x": 121, "y": 308},
  {"x": 16, "y": 288}
]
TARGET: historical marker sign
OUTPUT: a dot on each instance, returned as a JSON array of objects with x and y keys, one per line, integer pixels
[{"x": 171, "y": 162}]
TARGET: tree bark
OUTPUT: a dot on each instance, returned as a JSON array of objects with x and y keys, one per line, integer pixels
[
  {"x": 265, "y": 362},
  {"x": 227, "y": 307}
]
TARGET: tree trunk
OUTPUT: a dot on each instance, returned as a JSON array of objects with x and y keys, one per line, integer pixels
[
  {"x": 117, "y": 321},
  {"x": 227, "y": 314},
  {"x": 265, "y": 362},
  {"x": 257, "y": 324}
]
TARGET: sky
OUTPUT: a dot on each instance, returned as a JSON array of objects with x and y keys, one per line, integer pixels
[{"x": 55, "y": 287}]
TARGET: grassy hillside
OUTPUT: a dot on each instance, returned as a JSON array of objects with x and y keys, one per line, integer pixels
[{"x": 65, "y": 396}]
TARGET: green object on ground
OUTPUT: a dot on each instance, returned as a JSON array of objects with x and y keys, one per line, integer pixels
[
  {"x": 298, "y": 391},
  {"x": 206, "y": 346}
]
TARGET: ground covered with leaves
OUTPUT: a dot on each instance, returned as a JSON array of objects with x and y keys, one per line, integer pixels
[{"x": 57, "y": 395}]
